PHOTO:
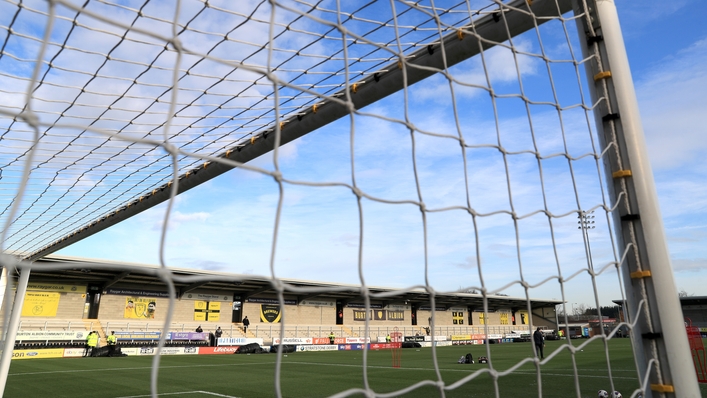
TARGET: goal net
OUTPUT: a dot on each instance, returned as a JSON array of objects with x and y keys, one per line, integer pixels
[{"x": 490, "y": 147}]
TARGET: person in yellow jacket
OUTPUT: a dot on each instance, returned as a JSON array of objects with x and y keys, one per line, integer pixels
[
  {"x": 112, "y": 342},
  {"x": 93, "y": 342},
  {"x": 86, "y": 348}
]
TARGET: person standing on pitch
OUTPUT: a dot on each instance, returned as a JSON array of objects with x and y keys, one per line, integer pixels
[
  {"x": 246, "y": 323},
  {"x": 86, "y": 347},
  {"x": 93, "y": 342},
  {"x": 331, "y": 337},
  {"x": 387, "y": 338},
  {"x": 112, "y": 342},
  {"x": 539, "y": 341}
]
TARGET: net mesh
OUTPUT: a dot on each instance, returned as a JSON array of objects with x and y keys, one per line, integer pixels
[{"x": 491, "y": 166}]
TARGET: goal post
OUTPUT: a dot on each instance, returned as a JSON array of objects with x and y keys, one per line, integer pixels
[
  {"x": 466, "y": 131},
  {"x": 654, "y": 309}
]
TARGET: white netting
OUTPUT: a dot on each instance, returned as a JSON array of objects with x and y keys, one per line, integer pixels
[{"x": 486, "y": 165}]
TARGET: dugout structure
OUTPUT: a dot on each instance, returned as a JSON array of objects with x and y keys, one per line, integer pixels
[
  {"x": 697, "y": 349},
  {"x": 111, "y": 108}
]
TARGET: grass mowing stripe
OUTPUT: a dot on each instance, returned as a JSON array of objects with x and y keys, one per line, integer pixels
[
  {"x": 321, "y": 374},
  {"x": 451, "y": 369},
  {"x": 141, "y": 368}
]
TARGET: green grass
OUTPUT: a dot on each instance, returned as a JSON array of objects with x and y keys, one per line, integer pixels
[{"x": 319, "y": 374}]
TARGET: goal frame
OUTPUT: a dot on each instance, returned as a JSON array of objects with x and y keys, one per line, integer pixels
[
  {"x": 654, "y": 314},
  {"x": 653, "y": 307}
]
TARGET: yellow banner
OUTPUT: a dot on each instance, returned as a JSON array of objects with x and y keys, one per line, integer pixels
[
  {"x": 139, "y": 308},
  {"x": 207, "y": 310},
  {"x": 34, "y": 354},
  {"x": 523, "y": 315},
  {"x": 54, "y": 287},
  {"x": 214, "y": 311},
  {"x": 40, "y": 304},
  {"x": 461, "y": 337}
]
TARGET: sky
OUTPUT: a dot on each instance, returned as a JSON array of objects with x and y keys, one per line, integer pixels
[{"x": 229, "y": 223}]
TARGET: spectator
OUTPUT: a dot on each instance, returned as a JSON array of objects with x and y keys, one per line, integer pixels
[
  {"x": 86, "y": 347},
  {"x": 112, "y": 342},
  {"x": 246, "y": 323},
  {"x": 218, "y": 332},
  {"x": 539, "y": 341},
  {"x": 93, "y": 342}
]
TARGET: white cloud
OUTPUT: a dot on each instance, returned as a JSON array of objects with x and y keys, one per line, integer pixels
[{"x": 672, "y": 99}]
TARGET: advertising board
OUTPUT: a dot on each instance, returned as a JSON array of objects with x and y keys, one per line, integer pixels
[
  {"x": 238, "y": 341},
  {"x": 293, "y": 340},
  {"x": 218, "y": 350},
  {"x": 35, "y": 354},
  {"x": 317, "y": 348},
  {"x": 187, "y": 336},
  {"x": 73, "y": 352},
  {"x": 350, "y": 347},
  {"x": 41, "y": 335},
  {"x": 138, "y": 335}
]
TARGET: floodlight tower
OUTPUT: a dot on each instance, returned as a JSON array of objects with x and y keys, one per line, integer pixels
[{"x": 585, "y": 223}]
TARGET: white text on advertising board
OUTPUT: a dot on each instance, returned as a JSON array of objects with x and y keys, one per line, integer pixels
[{"x": 317, "y": 348}]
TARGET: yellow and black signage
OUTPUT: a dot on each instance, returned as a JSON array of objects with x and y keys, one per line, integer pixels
[
  {"x": 140, "y": 308},
  {"x": 359, "y": 315},
  {"x": 378, "y": 315},
  {"x": 270, "y": 313},
  {"x": 396, "y": 315},
  {"x": 207, "y": 310},
  {"x": 40, "y": 304},
  {"x": 523, "y": 317},
  {"x": 458, "y": 318}
]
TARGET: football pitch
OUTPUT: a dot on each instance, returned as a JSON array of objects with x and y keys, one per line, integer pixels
[{"x": 320, "y": 374}]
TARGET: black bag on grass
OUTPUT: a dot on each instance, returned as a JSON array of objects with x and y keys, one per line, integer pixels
[
  {"x": 252, "y": 348},
  {"x": 287, "y": 348}
]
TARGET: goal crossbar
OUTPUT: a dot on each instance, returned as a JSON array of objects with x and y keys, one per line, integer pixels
[{"x": 496, "y": 27}]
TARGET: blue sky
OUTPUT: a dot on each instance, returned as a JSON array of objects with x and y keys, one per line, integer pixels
[{"x": 227, "y": 224}]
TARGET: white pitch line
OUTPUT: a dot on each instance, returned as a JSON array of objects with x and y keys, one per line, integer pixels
[
  {"x": 182, "y": 393},
  {"x": 141, "y": 368}
]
